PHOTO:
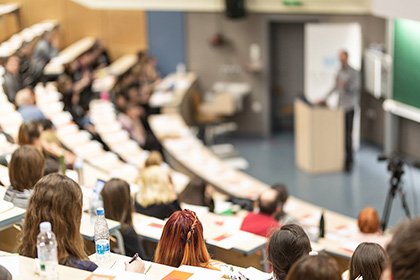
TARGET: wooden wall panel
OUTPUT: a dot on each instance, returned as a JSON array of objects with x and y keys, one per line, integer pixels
[
  {"x": 122, "y": 31},
  {"x": 81, "y": 22}
]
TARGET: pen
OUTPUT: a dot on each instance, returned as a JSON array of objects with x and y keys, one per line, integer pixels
[{"x": 134, "y": 258}]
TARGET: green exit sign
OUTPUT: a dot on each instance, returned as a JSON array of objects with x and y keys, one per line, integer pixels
[{"x": 292, "y": 3}]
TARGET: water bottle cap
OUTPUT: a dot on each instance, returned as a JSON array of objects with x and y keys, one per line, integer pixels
[
  {"x": 45, "y": 226},
  {"x": 100, "y": 211}
]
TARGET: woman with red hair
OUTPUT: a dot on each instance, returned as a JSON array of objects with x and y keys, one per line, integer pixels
[{"x": 182, "y": 243}]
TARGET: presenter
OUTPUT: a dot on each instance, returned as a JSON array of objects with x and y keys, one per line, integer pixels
[{"x": 347, "y": 87}]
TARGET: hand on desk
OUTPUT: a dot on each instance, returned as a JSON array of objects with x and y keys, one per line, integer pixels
[{"x": 136, "y": 266}]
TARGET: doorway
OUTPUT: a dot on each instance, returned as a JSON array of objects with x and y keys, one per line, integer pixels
[{"x": 287, "y": 73}]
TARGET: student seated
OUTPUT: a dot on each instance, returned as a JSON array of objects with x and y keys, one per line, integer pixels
[
  {"x": 404, "y": 252},
  {"x": 369, "y": 226},
  {"x": 30, "y": 134},
  {"x": 12, "y": 80},
  {"x": 318, "y": 267},
  {"x": 263, "y": 222},
  {"x": 368, "y": 261},
  {"x": 285, "y": 247},
  {"x": 368, "y": 221},
  {"x": 118, "y": 206},
  {"x": 197, "y": 192},
  {"x": 25, "y": 101},
  {"x": 283, "y": 195},
  {"x": 157, "y": 197},
  {"x": 26, "y": 167},
  {"x": 182, "y": 243},
  {"x": 58, "y": 200}
]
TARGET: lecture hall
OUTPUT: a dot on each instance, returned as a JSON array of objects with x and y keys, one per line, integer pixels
[{"x": 209, "y": 139}]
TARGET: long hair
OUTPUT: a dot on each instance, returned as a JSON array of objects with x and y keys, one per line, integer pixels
[
  {"x": 156, "y": 187},
  {"x": 58, "y": 200},
  {"x": 285, "y": 247},
  {"x": 117, "y": 200},
  {"x": 29, "y": 133},
  {"x": 368, "y": 261},
  {"x": 182, "y": 241},
  {"x": 26, "y": 167}
]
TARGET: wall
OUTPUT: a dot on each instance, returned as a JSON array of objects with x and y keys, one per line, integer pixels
[
  {"x": 397, "y": 8},
  {"x": 166, "y": 39},
  {"x": 208, "y": 61},
  {"x": 122, "y": 31}
]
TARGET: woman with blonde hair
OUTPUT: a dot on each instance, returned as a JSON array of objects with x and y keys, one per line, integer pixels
[
  {"x": 157, "y": 197},
  {"x": 58, "y": 200}
]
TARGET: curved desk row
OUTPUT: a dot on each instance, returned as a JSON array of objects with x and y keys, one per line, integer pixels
[{"x": 190, "y": 154}]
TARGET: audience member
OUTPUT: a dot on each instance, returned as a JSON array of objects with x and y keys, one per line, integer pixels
[
  {"x": 318, "y": 267},
  {"x": 30, "y": 134},
  {"x": 182, "y": 242},
  {"x": 29, "y": 70},
  {"x": 368, "y": 261},
  {"x": 118, "y": 206},
  {"x": 130, "y": 121},
  {"x": 58, "y": 200},
  {"x": 154, "y": 159},
  {"x": 12, "y": 81},
  {"x": 285, "y": 246},
  {"x": 46, "y": 48},
  {"x": 263, "y": 222},
  {"x": 157, "y": 197},
  {"x": 197, "y": 192},
  {"x": 283, "y": 195},
  {"x": 26, "y": 167},
  {"x": 404, "y": 252},
  {"x": 25, "y": 101},
  {"x": 368, "y": 221}
]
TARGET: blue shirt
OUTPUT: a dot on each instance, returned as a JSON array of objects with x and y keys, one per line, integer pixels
[{"x": 30, "y": 113}]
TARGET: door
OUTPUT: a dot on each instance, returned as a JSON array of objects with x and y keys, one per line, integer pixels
[{"x": 287, "y": 70}]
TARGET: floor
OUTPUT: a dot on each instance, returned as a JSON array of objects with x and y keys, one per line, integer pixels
[{"x": 272, "y": 161}]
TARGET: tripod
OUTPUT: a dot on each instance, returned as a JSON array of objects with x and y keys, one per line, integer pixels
[{"x": 395, "y": 187}]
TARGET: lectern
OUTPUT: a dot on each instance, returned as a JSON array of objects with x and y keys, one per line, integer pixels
[{"x": 319, "y": 138}]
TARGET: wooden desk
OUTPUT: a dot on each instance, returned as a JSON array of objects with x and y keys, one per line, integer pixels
[
  {"x": 69, "y": 54},
  {"x": 7, "y": 28},
  {"x": 193, "y": 156},
  {"x": 23, "y": 268},
  {"x": 10, "y": 217},
  {"x": 246, "y": 243}
]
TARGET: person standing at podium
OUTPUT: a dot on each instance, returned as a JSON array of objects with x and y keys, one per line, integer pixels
[{"x": 347, "y": 86}]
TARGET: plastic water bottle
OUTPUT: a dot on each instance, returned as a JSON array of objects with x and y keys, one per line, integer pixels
[
  {"x": 47, "y": 252},
  {"x": 103, "y": 251},
  {"x": 95, "y": 202}
]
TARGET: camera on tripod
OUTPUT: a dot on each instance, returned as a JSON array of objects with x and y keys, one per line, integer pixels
[
  {"x": 396, "y": 167},
  {"x": 395, "y": 164}
]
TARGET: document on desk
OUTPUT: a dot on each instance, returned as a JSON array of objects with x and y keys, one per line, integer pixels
[{"x": 228, "y": 240}]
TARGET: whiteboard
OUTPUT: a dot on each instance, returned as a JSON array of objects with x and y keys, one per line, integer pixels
[{"x": 323, "y": 43}]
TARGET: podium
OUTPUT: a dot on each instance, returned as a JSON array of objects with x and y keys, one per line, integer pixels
[{"x": 319, "y": 138}]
